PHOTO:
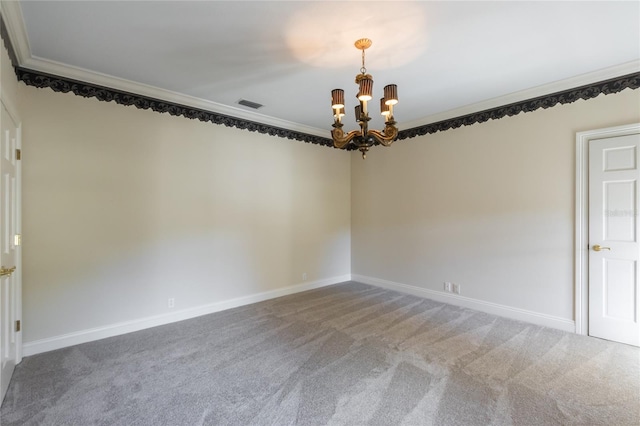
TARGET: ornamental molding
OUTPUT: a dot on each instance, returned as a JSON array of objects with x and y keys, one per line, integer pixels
[{"x": 101, "y": 93}]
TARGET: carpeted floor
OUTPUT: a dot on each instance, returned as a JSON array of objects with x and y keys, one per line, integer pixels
[{"x": 349, "y": 354}]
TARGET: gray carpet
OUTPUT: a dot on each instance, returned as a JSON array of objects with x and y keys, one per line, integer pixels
[{"x": 349, "y": 354}]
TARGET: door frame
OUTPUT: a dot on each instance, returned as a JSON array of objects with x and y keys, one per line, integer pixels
[
  {"x": 581, "y": 251},
  {"x": 13, "y": 112}
]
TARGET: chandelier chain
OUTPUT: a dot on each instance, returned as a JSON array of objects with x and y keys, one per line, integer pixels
[{"x": 363, "y": 70}]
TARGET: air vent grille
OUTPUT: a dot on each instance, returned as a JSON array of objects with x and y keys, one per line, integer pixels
[{"x": 250, "y": 104}]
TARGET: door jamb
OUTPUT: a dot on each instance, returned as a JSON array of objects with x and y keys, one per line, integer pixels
[
  {"x": 11, "y": 109},
  {"x": 581, "y": 250}
]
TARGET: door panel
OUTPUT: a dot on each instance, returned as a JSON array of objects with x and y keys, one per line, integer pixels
[
  {"x": 619, "y": 290},
  {"x": 614, "y": 297},
  {"x": 619, "y": 199}
]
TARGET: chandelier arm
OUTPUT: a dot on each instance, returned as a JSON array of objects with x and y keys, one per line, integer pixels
[
  {"x": 386, "y": 137},
  {"x": 340, "y": 140}
]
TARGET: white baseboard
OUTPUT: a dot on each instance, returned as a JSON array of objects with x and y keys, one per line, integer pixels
[
  {"x": 478, "y": 305},
  {"x": 89, "y": 335}
]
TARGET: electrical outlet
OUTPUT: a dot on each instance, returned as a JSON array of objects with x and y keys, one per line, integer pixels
[
  {"x": 455, "y": 288},
  {"x": 171, "y": 303},
  {"x": 304, "y": 276},
  {"x": 447, "y": 287}
]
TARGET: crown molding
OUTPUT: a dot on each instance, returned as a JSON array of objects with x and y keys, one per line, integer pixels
[
  {"x": 588, "y": 91},
  {"x": 11, "y": 13},
  {"x": 197, "y": 108},
  {"x": 77, "y": 74},
  {"x": 529, "y": 94}
]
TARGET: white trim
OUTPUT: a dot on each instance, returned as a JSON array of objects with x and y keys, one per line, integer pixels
[
  {"x": 89, "y": 335},
  {"x": 582, "y": 218},
  {"x": 534, "y": 92},
  {"x": 12, "y": 16},
  {"x": 9, "y": 105},
  {"x": 467, "y": 302},
  {"x": 19, "y": 349}
]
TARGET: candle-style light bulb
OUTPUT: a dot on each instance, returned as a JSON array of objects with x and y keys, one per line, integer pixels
[{"x": 384, "y": 108}]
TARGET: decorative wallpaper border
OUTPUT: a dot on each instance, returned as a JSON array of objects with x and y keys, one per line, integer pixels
[
  {"x": 88, "y": 90},
  {"x": 606, "y": 87}
]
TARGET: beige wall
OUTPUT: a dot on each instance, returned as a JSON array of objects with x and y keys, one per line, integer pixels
[
  {"x": 125, "y": 208},
  {"x": 8, "y": 80},
  {"x": 488, "y": 206}
]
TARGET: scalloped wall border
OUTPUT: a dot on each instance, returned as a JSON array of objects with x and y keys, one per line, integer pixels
[
  {"x": 101, "y": 93},
  {"x": 88, "y": 90}
]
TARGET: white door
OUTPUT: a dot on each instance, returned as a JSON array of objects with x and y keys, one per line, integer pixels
[
  {"x": 10, "y": 276},
  {"x": 614, "y": 185}
]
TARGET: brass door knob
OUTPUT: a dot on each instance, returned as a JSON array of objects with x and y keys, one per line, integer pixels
[
  {"x": 598, "y": 247},
  {"x": 4, "y": 271}
]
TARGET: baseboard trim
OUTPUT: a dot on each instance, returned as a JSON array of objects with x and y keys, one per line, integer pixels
[
  {"x": 92, "y": 334},
  {"x": 467, "y": 302}
]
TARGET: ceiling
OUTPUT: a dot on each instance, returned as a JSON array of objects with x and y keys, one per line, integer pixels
[{"x": 447, "y": 58}]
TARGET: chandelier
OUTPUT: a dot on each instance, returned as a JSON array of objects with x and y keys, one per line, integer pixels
[{"x": 364, "y": 138}]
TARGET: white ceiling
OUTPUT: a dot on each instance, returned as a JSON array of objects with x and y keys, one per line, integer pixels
[{"x": 447, "y": 58}]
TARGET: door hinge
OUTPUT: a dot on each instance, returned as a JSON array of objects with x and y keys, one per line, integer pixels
[
  {"x": 18, "y": 326},
  {"x": 18, "y": 154},
  {"x": 17, "y": 240}
]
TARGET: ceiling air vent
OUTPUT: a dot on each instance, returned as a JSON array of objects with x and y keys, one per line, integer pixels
[{"x": 250, "y": 104}]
